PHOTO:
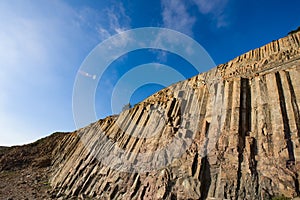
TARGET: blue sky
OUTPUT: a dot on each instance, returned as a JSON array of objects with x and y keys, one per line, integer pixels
[{"x": 43, "y": 43}]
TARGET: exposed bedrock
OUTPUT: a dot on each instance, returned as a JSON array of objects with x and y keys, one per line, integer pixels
[{"x": 245, "y": 144}]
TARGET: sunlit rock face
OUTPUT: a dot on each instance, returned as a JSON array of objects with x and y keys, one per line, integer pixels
[{"x": 230, "y": 133}]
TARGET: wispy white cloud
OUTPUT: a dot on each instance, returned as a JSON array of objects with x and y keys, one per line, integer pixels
[
  {"x": 118, "y": 19},
  {"x": 176, "y": 16},
  {"x": 215, "y": 8},
  {"x": 109, "y": 21}
]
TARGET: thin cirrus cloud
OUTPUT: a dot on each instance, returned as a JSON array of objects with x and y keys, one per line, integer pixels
[
  {"x": 109, "y": 21},
  {"x": 215, "y": 8},
  {"x": 176, "y": 15},
  {"x": 211, "y": 6}
]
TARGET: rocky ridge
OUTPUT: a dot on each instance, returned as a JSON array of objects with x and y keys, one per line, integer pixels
[
  {"x": 255, "y": 156},
  {"x": 245, "y": 144}
]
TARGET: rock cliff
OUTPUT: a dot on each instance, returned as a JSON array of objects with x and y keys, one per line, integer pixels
[
  {"x": 230, "y": 133},
  {"x": 245, "y": 146}
]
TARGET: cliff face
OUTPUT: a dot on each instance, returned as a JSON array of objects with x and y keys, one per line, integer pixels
[
  {"x": 230, "y": 133},
  {"x": 244, "y": 144},
  {"x": 238, "y": 124}
]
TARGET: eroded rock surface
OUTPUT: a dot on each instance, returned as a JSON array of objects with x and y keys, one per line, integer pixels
[
  {"x": 246, "y": 145},
  {"x": 235, "y": 130}
]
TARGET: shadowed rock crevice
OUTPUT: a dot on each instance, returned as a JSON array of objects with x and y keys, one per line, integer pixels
[
  {"x": 244, "y": 127},
  {"x": 195, "y": 164},
  {"x": 294, "y": 102},
  {"x": 205, "y": 177},
  {"x": 285, "y": 119}
]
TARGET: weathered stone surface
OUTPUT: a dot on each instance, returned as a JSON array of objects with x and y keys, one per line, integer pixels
[
  {"x": 250, "y": 106},
  {"x": 245, "y": 143}
]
